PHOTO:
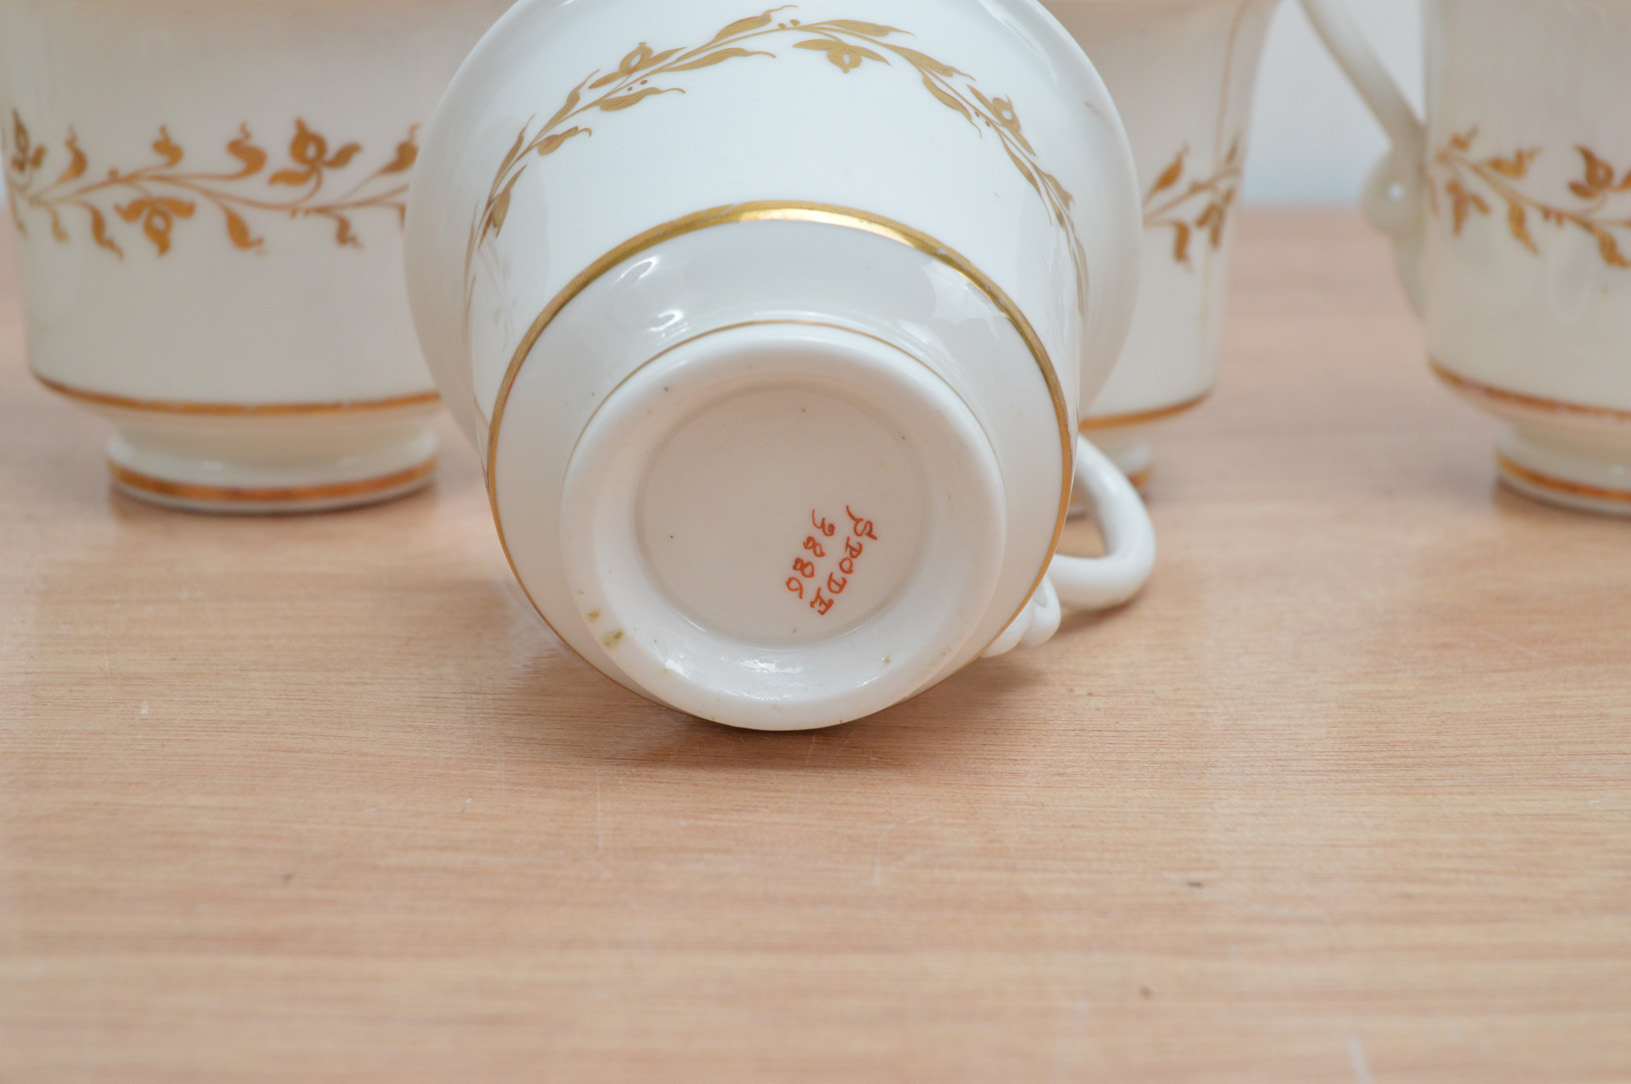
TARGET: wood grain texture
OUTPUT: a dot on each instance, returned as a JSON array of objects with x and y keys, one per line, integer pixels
[{"x": 1345, "y": 797}]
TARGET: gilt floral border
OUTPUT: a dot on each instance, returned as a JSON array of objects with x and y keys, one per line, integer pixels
[
  {"x": 848, "y": 44},
  {"x": 1471, "y": 183},
  {"x": 247, "y": 189}
]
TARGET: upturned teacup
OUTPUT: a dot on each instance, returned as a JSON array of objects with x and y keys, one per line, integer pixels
[{"x": 771, "y": 326}]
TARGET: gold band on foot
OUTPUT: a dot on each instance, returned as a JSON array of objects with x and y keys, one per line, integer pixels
[
  {"x": 272, "y": 496},
  {"x": 1561, "y": 486}
]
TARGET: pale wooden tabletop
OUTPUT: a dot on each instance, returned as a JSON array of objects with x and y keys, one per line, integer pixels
[{"x": 1345, "y": 797}]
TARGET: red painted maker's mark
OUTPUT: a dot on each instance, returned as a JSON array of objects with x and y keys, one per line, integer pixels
[{"x": 838, "y": 577}]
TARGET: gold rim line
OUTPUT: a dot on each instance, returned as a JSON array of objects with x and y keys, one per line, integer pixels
[
  {"x": 792, "y": 211},
  {"x": 1146, "y": 417},
  {"x": 237, "y": 410},
  {"x": 1561, "y": 485},
  {"x": 1519, "y": 399},
  {"x": 230, "y": 495}
]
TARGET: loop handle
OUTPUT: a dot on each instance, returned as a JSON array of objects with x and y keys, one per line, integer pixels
[
  {"x": 1091, "y": 583},
  {"x": 1393, "y": 199}
]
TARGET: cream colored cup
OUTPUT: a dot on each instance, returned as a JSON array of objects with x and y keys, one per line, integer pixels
[
  {"x": 771, "y": 326},
  {"x": 1182, "y": 73},
  {"x": 1511, "y": 211},
  {"x": 209, "y": 200}
]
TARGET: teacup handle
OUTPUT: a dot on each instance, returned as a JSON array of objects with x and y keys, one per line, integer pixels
[
  {"x": 1393, "y": 196},
  {"x": 1091, "y": 583}
]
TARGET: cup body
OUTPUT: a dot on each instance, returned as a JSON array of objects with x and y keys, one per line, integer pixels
[
  {"x": 771, "y": 327},
  {"x": 1182, "y": 73},
  {"x": 1526, "y": 263},
  {"x": 209, "y": 201}
]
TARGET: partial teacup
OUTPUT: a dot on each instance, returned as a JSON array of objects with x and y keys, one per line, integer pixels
[
  {"x": 209, "y": 202},
  {"x": 771, "y": 327},
  {"x": 1511, "y": 212},
  {"x": 1182, "y": 73}
]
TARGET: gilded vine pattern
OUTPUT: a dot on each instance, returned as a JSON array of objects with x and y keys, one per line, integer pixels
[
  {"x": 1466, "y": 177},
  {"x": 848, "y": 44},
  {"x": 161, "y": 193},
  {"x": 1200, "y": 207}
]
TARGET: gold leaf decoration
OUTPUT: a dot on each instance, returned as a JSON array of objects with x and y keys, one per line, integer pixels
[
  {"x": 1203, "y": 206},
  {"x": 77, "y": 162},
  {"x": 848, "y": 44},
  {"x": 1174, "y": 173},
  {"x": 167, "y": 149},
  {"x": 844, "y": 56},
  {"x": 1518, "y": 222},
  {"x": 746, "y": 26},
  {"x": 923, "y": 63},
  {"x": 244, "y": 150},
  {"x": 627, "y": 101},
  {"x": 239, "y": 231},
  {"x": 159, "y": 195},
  {"x": 1468, "y": 182},
  {"x": 716, "y": 57},
  {"x": 407, "y": 156},
  {"x": 869, "y": 30},
  {"x": 553, "y": 143},
  {"x": 1610, "y": 248},
  {"x": 99, "y": 233},
  {"x": 1180, "y": 244},
  {"x": 950, "y": 100}
]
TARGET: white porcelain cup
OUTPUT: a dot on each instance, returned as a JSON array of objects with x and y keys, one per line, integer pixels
[
  {"x": 771, "y": 326},
  {"x": 209, "y": 200},
  {"x": 1511, "y": 211},
  {"x": 1182, "y": 73}
]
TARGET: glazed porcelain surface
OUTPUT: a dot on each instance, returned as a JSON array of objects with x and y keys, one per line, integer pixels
[
  {"x": 1183, "y": 73},
  {"x": 771, "y": 326},
  {"x": 209, "y": 199},
  {"x": 1511, "y": 210}
]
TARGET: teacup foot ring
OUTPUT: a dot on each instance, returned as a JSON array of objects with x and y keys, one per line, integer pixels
[
  {"x": 272, "y": 466},
  {"x": 1563, "y": 492},
  {"x": 270, "y": 500}
]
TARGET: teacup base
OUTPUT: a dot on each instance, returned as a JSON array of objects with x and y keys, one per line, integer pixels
[
  {"x": 1574, "y": 476},
  {"x": 272, "y": 465},
  {"x": 1573, "y": 455}
]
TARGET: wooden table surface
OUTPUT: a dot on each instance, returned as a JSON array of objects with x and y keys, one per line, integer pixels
[{"x": 1345, "y": 797}]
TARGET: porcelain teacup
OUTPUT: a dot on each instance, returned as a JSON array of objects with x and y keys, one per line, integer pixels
[
  {"x": 1511, "y": 211},
  {"x": 209, "y": 201},
  {"x": 771, "y": 327},
  {"x": 1182, "y": 73}
]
